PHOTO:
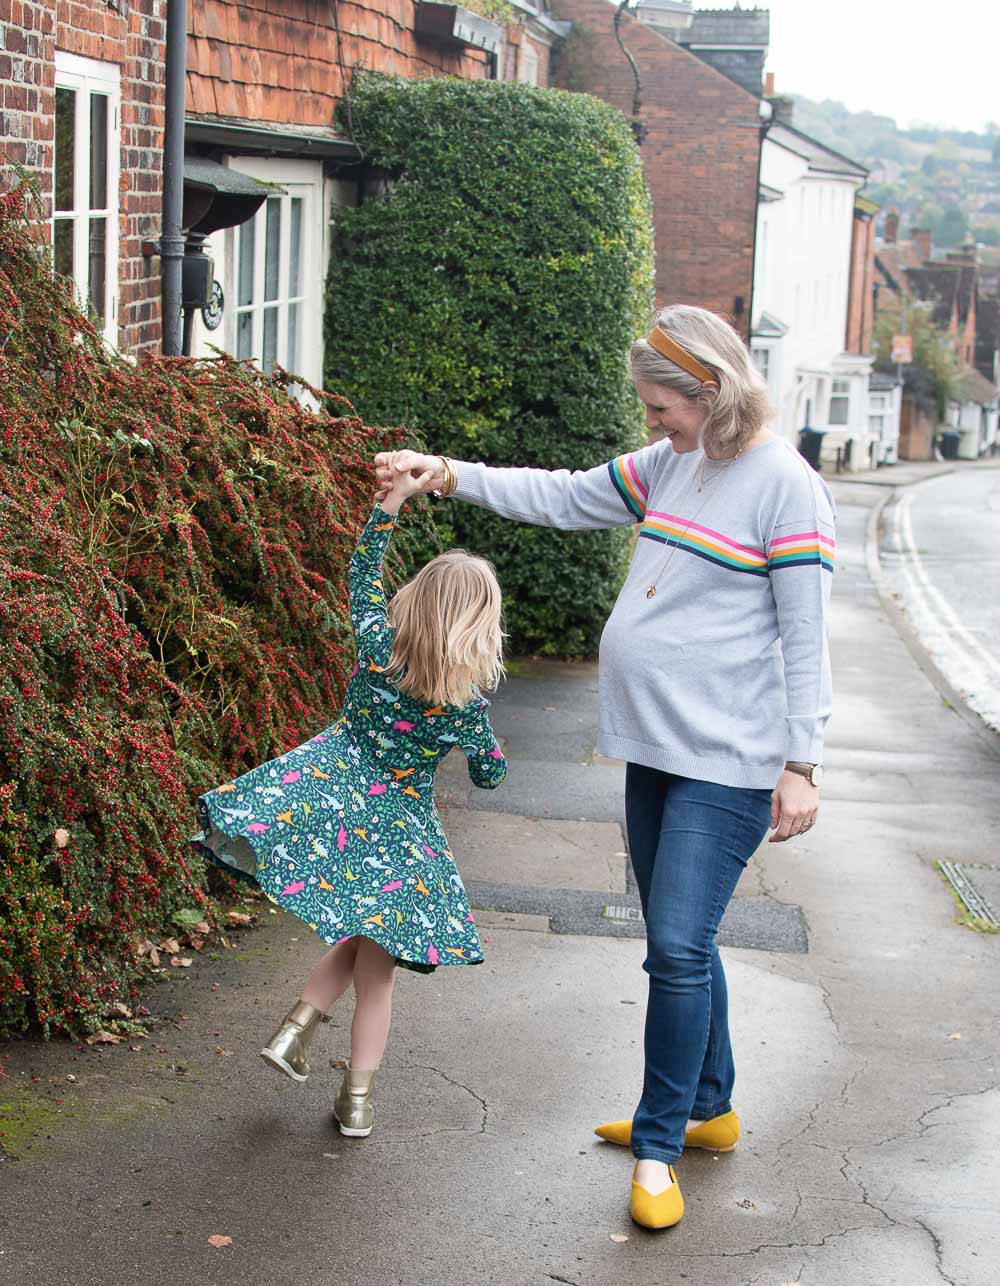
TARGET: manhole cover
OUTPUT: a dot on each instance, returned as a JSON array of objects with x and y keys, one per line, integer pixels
[{"x": 977, "y": 888}]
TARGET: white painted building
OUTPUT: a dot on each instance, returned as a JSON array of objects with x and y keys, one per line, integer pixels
[{"x": 801, "y": 288}]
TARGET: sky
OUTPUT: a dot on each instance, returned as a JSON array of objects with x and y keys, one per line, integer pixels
[{"x": 917, "y": 61}]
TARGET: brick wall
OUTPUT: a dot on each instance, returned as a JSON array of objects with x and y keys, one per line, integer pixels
[
  {"x": 701, "y": 153},
  {"x": 278, "y": 61},
  {"x": 860, "y": 294},
  {"x": 130, "y": 36}
]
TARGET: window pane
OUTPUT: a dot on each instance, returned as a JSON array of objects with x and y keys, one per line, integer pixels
[
  {"x": 272, "y": 246},
  {"x": 65, "y": 148},
  {"x": 98, "y": 267},
  {"x": 292, "y": 361},
  {"x": 248, "y": 241},
  {"x": 838, "y": 410},
  {"x": 270, "y": 339},
  {"x": 98, "y": 152},
  {"x": 244, "y": 335},
  {"x": 295, "y": 247},
  {"x": 62, "y": 249}
]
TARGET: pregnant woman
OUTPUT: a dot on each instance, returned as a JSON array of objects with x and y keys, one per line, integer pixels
[{"x": 714, "y": 688}]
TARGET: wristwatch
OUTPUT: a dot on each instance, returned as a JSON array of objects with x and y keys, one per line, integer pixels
[{"x": 813, "y": 773}]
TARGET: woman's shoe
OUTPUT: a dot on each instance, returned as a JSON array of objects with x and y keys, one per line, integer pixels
[
  {"x": 720, "y": 1134},
  {"x": 353, "y": 1110},
  {"x": 660, "y": 1211},
  {"x": 287, "y": 1048}
]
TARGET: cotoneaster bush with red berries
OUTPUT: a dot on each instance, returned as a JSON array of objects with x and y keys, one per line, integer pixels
[{"x": 174, "y": 541}]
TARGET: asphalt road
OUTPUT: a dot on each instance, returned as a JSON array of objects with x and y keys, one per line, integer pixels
[{"x": 941, "y": 553}]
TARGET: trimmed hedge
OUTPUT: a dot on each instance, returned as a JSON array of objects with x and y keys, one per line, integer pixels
[
  {"x": 487, "y": 298},
  {"x": 174, "y": 540}
]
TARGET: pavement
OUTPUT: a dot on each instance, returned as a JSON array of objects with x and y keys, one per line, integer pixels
[{"x": 864, "y": 1023}]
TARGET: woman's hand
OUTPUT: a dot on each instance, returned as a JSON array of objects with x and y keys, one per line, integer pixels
[
  {"x": 794, "y": 806},
  {"x": 391, "y": 464}
]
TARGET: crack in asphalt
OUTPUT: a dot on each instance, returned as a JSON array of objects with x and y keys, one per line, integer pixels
[{"x": 938, "y": 1251}]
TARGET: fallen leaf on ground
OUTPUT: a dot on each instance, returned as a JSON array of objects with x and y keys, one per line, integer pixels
[
  {"x": 202, "y": 927},
  {"x": 238, "y": 917},
  {"x": 619, "y": 1237},
  {"x": 955, "y": 1035},
  {"x": 181, "y": 962},
  {"x": 146, "y": 947},
  {"x": 550, "y": 707},
  {"x": 71, "y": 1077},
  {"x": 104, "y": 1038},
  {"x": 170, "y": 944},
  {"x": 224, "y": 1052},
  {"x": 220, "y": 1241},
  {"x": 195, "y": 942},
  {"x": 154, "y": 958},
  {"x": 61, "y": 837},
  {"x": 119, "y": 1007}
]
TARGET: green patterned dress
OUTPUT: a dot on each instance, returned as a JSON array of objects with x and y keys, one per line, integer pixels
[{"x": 343, "y": 831}]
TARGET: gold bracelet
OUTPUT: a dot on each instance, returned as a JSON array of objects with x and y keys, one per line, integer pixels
[{"x": 450, "y": 478}]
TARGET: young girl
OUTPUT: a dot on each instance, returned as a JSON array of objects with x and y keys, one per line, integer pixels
[{"x": 343, "y": 831}]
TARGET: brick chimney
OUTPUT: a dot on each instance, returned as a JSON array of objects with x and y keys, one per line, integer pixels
[
  {"x": 769, "y": 85},
  {"x": 891, "y": 234},
  {"x": 783, "y": 108},
  {"x": 921, "y": 238}
]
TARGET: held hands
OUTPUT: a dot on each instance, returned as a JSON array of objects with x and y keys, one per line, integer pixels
[
  {"x": 423, "y": 473},
  {"x": 794, "y": 806},
  {"x": 397, "y": 483}
]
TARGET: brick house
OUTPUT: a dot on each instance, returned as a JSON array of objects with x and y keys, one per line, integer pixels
[
  {"x": 700, "y": 130},
  {"x": 83, "y": 110}
]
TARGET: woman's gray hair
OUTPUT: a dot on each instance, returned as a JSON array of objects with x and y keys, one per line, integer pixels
[{"x": 740, "y": 407}]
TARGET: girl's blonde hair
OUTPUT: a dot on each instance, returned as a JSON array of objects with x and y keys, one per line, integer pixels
[
  {"x": 448, "y": 643},
  {"x": 739, "y": 407}
]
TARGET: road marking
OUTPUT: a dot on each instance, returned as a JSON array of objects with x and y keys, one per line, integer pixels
[{"x": 962, "y": 658}]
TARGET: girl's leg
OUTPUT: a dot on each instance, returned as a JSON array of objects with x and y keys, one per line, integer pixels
[
  {"x": 332, "y": 975},
  {"x": 707, "y": 835},
  {"x": 645, "y": 795},
  {"x": 374, "y": 977}
]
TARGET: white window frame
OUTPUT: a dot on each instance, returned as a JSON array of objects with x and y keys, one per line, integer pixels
[
  {"x": 840, "y": 395},
  {"x": 761, "y": 354},
  {"x": 292, "y": 178},
  {"x": 87, "y": 78},
  {"x": 527, "y": 63}
]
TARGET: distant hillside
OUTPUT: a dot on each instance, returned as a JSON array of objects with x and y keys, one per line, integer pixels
[{"x": 947, "y": 180}]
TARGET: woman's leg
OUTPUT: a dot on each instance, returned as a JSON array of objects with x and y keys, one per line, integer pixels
[
  {"x": 707, "y": 835},
  {"x": 374, "y": 976},
  {"x": 645, "y": 795},
  {"x": 332, "y": 975}
]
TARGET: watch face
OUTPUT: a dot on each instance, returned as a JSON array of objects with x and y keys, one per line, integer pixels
[{"x": 816, "y": 776}]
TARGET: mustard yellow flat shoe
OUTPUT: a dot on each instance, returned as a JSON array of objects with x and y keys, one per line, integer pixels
[
  {"x": 661, "y": 1211},
  {"x": 720, "y": 1134}
]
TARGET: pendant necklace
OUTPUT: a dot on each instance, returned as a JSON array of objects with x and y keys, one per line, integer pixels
[{"x": 702, "y": 480}]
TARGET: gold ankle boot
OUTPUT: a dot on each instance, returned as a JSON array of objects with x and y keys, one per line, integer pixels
[
  {"x": 287, "y": 1048},
  {"x": 353, "y": 1109}
]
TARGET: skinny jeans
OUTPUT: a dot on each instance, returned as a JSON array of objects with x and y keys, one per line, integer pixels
[{"x": 688, "y": 842}]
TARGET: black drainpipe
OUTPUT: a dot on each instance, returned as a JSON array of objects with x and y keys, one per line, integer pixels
[
  {"x": 171, "y": 236},
  {"x": 762, "y": 135}
]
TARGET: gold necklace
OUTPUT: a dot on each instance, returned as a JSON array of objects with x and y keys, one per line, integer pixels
[{"x": 669, "y": 556}]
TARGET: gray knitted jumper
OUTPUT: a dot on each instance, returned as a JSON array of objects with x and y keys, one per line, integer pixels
[{"x": 723, "y": 674}]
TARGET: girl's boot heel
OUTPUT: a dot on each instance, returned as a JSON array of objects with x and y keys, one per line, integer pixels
[
  {"x": 353, "y": 1110},
  {"x": 288, "y": 1048}
]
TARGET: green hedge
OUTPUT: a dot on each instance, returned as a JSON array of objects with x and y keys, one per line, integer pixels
[{"x": 487, "y": 297}]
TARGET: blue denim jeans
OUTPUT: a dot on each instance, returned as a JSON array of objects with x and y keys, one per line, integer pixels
[{"x": 688, "y": 841}]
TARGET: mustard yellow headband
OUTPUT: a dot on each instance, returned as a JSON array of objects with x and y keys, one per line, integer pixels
[{"x": 669, "y": 348}]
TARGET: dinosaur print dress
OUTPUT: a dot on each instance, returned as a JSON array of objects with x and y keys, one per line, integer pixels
[{"x": 343, "y": 830}]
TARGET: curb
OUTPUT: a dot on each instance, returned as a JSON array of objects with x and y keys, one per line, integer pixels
[{"x": 873, "y": 564}]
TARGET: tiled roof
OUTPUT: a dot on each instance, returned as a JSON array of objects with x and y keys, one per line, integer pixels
[
  {"x": 973, "y": 387},
  {"x": 892, "y": 262},
  {"x": 949, "y": 286},
  {"x": 821, "y": 158}
]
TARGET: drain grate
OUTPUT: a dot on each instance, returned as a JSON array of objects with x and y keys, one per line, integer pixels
[{"x": 977, "y": 888}]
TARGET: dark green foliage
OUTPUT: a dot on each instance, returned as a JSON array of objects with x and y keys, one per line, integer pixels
[{"x": 487, "y": 297}]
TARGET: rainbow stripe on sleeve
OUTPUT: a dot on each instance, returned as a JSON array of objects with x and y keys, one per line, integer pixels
[
  {"x": 628, "y": 484},
  {"x": 803, "y": 549}
]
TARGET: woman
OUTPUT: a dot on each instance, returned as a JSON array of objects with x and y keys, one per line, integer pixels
[{"x": 715, "y": 688}]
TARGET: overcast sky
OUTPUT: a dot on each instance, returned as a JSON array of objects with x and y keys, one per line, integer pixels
[{"x": 920, "y": 62}]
